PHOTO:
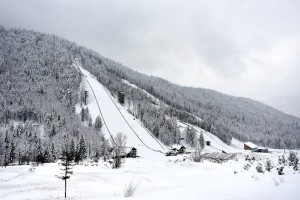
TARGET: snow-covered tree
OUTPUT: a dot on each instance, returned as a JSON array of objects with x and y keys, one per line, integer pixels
[
  {"x": 6, "y": 143},
  {"x": 81, "y": 152},
  {"x": 72, "y": 149},
  {"x": 191, "y": 136},
  {"x": 67, "y": 163},
  {"x": 98, "y": 123},
  {"x": 259, "y": 168},
  {"x": 82, "y": 113},
  {"x": 201, "y": 141},
  {"x": 12, "y": 152},
  {"x": 53, "y": 153},
  {"x": 268, "y": 165},
  {"x": 53, "y": 131},
  {"x": 90, "y": 123}
]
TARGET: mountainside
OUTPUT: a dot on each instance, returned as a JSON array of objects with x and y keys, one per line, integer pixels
[{"x": 39, "y": 84}]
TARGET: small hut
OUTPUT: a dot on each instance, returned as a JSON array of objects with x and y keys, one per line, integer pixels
[
  {"x": 121, "y": 97},
  {"x": 250, "y": 146},
  {"x": 261, "y": 150},
  {"x": 179, "y": 149},
  {"x": 132, "y": 153},
  {"x": 207, "y": 143}
]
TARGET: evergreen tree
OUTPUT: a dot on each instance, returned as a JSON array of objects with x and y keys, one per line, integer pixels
[
  {"x": 12, "y": 152},
  {"x": 259, "y": 168},
  {"x": 82, "y": 115},
  {"x": 53, "y": 131},
  {"x": 53, "y": 153},
  {"x": 86, "y": 114},
  {"x": 90, "y": 121},
  {"x": 39, "y": 156},
  {"x": 292, "y": 157},
  {"x": 190, "y": 136},
  {"x": 201, "y": 141},
  {"x": 35, "y": 139},
  {"x": 72, "y": 149},
  {"x": 46, "y": 156},
  {"x": 104, "y": 146},
  {"x": 268, "y": 165},
  {"x": 296, "y": 162},
  {"x": 6, "y": 143},
  {"x": 81, "y": 152},
  {"x": 98, "y": 123},
  {"x": 67, "y": 164}
]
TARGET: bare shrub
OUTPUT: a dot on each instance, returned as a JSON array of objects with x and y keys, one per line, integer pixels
[
  {"x": 268, "y": 165},
  {"x": 118, "y": 153},
  {"x": 280, "y": 170},
  {"x": 130, "y": 189},
  {"x": 292, "y": 157},
  {"x": 247, "y": 166},
  {"x": 259, "y": 168}
]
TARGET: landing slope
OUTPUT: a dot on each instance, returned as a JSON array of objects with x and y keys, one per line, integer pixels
[{"x": 117, "y": 119}]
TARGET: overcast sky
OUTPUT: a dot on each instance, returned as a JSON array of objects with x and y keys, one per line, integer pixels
[{"x": 247, "y": 48}]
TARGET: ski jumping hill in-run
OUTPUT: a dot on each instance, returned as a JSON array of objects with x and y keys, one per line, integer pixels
[{"x": 116, "y": 119}]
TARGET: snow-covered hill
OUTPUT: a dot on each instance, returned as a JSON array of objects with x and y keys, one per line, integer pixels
[{"x": 116, "y": 118}]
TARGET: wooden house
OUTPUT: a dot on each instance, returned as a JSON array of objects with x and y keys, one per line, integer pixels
[
  {"x": 250, "y": 146},
  {"x": 261, "y": 150},
  {"x": 179, "y": 149},
  {"x": 132, "y": 153}
]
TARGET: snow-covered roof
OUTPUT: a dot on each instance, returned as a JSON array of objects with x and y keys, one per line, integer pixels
[
  {"x": 262, "y": 148},
  {"x": 177, "y": 146},
  {"x": 251, "y": 145}
]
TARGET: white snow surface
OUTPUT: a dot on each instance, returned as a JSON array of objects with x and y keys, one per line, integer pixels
[
  {"x": 158, "y": 177},
  {"x": 169, "y": 179}
]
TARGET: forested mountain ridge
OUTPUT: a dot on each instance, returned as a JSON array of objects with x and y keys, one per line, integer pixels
[
  {"x": 40, "y": 85},
  {"x": 39, "y": 88}
]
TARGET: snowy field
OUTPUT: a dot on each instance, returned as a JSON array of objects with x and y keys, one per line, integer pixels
[{"x": 168, "y": 178}]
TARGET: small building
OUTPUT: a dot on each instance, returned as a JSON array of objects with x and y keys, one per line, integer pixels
[
  {"x": 132, "y": 153},
  {"x": 261, "y": 150},
  {"x": 250, "y": 146},
  {"x": 171, "y": 153},
  {"x": 121, "y": 97},
  {"x": 207, "y": 143},
  {"x": 179, "y": 149}
]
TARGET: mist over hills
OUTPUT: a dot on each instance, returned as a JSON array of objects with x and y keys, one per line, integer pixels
[{"x": 38, "y": 80}]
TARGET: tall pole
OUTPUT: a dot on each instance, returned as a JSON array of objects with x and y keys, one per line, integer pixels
[{"x": 66, "y": 184}]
